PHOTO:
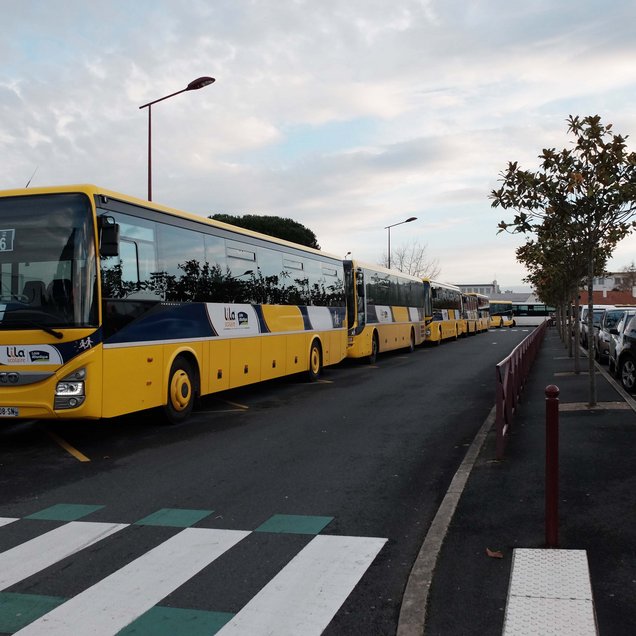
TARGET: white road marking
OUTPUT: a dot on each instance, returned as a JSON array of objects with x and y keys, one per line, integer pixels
[
  {"x": 304, "y": 596},
  {"x": 5, "y": 521},
  {"x": 28, "y": 558},
  {"x": 108, "y": 606}
]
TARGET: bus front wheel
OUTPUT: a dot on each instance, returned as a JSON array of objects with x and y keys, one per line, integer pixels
[
  {"x": 180, "y": 391},
  {"x": 375, "y": 347},
  {"x": 315, "y": 361}
]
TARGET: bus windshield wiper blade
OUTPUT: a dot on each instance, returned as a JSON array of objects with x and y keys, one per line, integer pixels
[{"x": 53, "y": 332}]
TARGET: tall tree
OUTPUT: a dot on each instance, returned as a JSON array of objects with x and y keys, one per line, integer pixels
[
  {"x": 283, "y": 228},
  {"x": 587, "y": 191},
  {"x": 412, "y": 258},
  {"x": 628, "y": 279}
]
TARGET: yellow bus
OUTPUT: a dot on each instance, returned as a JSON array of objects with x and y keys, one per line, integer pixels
[
  {"x": 110, "y": 305},
  {"x": 444, "y": 320},
  {"x": 501, "y": 313},
  {"x": 385, "y": 310},
  {"x": 470, "y": 315},
  {"x": 483, "y": 311}
]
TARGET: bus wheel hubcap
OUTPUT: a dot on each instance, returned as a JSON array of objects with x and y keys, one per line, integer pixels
[{"x": 180, "y": 390}]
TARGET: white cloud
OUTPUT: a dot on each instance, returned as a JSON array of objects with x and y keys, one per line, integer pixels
[{"x": 346, "y": 116}]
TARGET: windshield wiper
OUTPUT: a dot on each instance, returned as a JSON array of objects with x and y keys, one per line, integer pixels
[{"x": 53, "y": 332}]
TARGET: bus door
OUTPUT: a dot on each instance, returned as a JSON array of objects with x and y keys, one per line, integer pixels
[{"x": 361, "y": 314}]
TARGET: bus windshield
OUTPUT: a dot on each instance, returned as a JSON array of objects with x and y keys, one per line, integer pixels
[{"x": 47, "y": 262}]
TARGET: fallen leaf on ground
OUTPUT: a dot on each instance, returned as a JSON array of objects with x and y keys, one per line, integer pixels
[{"x": 494, "y": 554}]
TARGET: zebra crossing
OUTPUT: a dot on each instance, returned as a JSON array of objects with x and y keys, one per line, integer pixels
[{"x": 301, "y": 598}]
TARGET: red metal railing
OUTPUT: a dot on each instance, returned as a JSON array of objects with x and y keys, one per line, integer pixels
[{"x": 511, "y": 375}]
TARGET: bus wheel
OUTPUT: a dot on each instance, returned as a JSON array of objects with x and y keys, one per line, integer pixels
[
  {"x": 412, "y": 342},
  {"x": 375, "y": 347},
  {"x": 315, "y": 361},
  {"x": 180, "y": 391}
]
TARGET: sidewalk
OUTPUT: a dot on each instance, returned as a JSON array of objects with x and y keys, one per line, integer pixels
[{"x": 502, "y": 506}]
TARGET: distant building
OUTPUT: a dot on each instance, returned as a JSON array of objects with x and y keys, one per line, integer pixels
[
  {"x": 605, "y": 297},
  {"x": 481, "y": 288}
]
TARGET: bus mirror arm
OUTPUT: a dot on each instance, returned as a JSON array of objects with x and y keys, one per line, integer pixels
[{"x": 108, "y": 236}]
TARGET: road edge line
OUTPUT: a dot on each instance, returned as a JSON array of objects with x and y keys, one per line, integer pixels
[{"x": 412, "y": 618}]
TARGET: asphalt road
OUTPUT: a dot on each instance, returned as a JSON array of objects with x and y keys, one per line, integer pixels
[{"x": 339, "y": 478}]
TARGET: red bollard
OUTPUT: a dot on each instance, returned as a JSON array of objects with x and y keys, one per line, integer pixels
[{"x": 552, "y": 466}]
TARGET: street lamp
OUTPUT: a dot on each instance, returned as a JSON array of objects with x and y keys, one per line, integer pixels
[
  {"x": 388, "y": 227},
  {"x": 194, "y": 85}
]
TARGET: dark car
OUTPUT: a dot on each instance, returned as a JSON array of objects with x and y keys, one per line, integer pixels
[
  {"x": 626, "y": 361},
  {"x": 617, "y": 335}
]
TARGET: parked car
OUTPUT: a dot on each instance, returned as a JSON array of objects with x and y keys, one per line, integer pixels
[
  {"x": 626, "y": 357},
  {"x": 609, "y": 319},
  {"x": 617, "y": 334},
  {"x": 598, "y": 313}
]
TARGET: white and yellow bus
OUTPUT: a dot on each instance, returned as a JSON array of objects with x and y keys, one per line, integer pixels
[
  {"x": 501, "y": 313},
  {"x": 444, "y": 321},
  {"x": 385, "y": 310},
  {"x": 110, "y": 305},
  {"x": 470, "y": 315},
  {"x": 483, "y": 311}
]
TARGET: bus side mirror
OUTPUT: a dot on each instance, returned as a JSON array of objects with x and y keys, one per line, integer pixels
[{"x": 108, "y": 236}]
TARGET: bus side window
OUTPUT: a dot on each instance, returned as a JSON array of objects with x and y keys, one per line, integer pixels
[{"x": 129, "y": 262}]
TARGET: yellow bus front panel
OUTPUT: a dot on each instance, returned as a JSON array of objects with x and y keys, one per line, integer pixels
[
  {"x": 361, "y": 344},
  {"x": 34, "y": 366}
]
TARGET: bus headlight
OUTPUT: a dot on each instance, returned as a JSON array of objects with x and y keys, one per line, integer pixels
[{"x": 70, "y": 390}]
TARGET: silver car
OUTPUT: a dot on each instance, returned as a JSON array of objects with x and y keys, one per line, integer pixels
[
  {"x": 602, "y": 336},
  {"x": 617, "y": 337},
  {"x": 597, "y": 313}
]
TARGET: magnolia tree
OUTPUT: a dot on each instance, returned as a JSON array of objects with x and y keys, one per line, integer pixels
[{"x": 584, "y": 194}]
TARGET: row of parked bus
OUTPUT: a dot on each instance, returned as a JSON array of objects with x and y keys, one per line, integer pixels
[{"x": 111, "y": 305}]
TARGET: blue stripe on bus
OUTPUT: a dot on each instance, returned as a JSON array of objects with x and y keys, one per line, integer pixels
[
  {"x": 261, "y": 319},
  {"x": 305, "y": 315},
  {"x": 167, "y": 322},
  {"x": 68, "y": 350}
]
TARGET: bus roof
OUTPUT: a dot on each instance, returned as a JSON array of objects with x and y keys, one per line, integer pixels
[
  {"x": 384, "y": 270},
  {"x": 436, "y": 283},
  {"x": 92, "y": 190}
]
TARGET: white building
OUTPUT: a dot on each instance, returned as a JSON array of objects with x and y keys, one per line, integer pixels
[{"x": 487, "y": 289}]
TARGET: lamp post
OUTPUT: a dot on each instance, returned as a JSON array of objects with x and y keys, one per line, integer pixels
[
  {"x": 194, "y": 85},
  {"x": 388, "y": 227}
]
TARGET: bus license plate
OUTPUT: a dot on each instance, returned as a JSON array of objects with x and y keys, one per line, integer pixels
[{"x": 9, "y": 411}]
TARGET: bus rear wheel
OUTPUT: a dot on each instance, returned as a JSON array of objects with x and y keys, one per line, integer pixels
[
  {"x": 181, "y": 391},
  {"x": 315, "y": 361}
]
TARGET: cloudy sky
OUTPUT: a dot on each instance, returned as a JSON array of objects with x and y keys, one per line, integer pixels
[{"x": 345, "y": 115}]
